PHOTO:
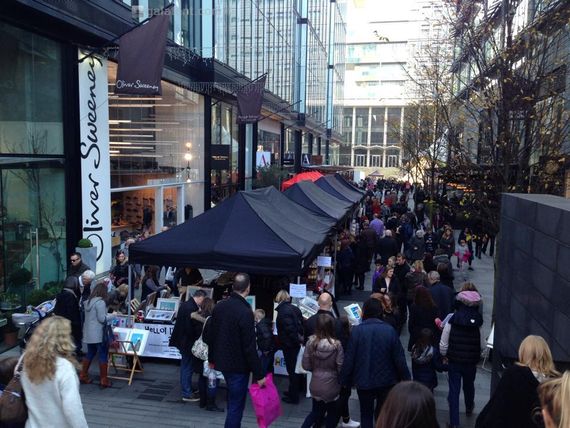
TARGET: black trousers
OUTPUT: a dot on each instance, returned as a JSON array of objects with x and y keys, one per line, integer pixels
[{"x": 290, "y": 355}]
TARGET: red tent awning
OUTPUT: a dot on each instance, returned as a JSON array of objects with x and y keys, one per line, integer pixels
[{"x": 303, "y": 176}]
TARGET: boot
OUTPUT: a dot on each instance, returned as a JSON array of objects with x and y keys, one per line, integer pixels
[
  {"x": 104, "y": 382},
  {"x": 211, "y": 406},
  {"x": 84, "y": 375}
]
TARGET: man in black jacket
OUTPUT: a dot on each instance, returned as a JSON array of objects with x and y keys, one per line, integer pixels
[
  {"x": 387, "y": 247},
  {"x": 232, "y": 347},
  {"x": 325, "y": 307},
  {"x": 183, "y": 337}
]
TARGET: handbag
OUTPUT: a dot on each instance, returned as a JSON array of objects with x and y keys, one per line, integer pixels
[
  {"x": 200, "y": 348},
  {"x": 108, "y": 335},
  {"x": 13, "y": 409},
  {"x": 299, "y": 363},
  {"x": 266, "y": 403},
  {"x": 208, "y": 370}
]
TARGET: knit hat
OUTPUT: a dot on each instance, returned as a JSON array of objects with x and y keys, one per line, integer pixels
[{"x": 469, "y": 298}]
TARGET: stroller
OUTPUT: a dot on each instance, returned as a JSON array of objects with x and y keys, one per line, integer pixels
[{"x": 31, "y": 321}]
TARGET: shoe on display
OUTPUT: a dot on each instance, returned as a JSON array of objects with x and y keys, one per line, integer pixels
[{"x": 349, "y": 424}]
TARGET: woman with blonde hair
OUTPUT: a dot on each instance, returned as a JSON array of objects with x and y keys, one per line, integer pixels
[
  {"x": 555, "y": 401},
  {"x": 291, "y": 335},
  {"x": 49, "y": 377},
  {"x": 515, "y": 400}
]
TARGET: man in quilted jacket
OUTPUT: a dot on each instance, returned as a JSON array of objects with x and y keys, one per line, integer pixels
[{"x": 374, "y": 362}]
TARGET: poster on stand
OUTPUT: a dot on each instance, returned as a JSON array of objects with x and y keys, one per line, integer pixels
[
  {"x": 298, "y": 290},
  {"x": 279, "y": 367},
  {"x": 158, "y": 339},
  {"x": 324, "y": 261}
]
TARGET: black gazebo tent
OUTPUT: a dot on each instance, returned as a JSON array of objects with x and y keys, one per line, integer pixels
[
  {"x": 331, "y": 185},
  {"x": 347, "y": 184},
  {"x": 312, "y": 197},
  {"x": 259, "y": 231}
]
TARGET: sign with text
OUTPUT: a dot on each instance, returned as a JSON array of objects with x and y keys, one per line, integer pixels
[
  {"x": 141, "y": 58},
  {"x": 324, "y": 261},
  {"x": 157, "y": 343},
  {"x": 249, "y": 99},
  {"x": 220, "y": 156},
  {"x": 298, "y": 290},
  {"x": 95, "y": 162}
]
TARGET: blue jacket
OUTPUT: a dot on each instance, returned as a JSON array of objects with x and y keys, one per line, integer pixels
[{"x": 374, "y": 357}]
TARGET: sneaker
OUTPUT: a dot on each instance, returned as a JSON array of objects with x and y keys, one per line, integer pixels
[
  {"x": 349, "y": 424},
  {"x": 470, "y": 268},
  {"x": 469, "y": 411},
  {"x": 194, "y": 397}
]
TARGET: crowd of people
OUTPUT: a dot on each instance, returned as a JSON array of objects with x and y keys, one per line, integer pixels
[{"x": 413, "y": 254}]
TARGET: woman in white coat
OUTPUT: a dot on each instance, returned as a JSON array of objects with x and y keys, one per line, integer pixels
[{"x": 49, "y": 377}]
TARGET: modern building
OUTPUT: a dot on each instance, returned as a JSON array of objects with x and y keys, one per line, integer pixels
[
  {"x": 525, "y": 43},
  {"x": 382, "y": 44},
  {"x": 77, "y": 160}
]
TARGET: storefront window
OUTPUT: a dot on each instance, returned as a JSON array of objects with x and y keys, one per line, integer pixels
[
  {"x": 157, "y": 157},
  {"x": 32, "y": 185},
  {"x": 224, "y": 175}
]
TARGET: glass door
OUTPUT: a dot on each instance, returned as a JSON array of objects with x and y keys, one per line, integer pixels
[{"x": 32, "y": 225}]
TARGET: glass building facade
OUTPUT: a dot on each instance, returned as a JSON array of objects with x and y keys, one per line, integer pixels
[{"x": 32, "y": 176}]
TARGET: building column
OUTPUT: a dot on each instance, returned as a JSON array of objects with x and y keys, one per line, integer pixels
[
  {"x": 298, "y": 149},
  {"x": 327, "y": 151},
  {"x": 207, "y": 152},
  {"x": 310, "y": 144},
  {"x": 281, "y": 144},
  {"x": 319, "y": 142},
  {"x": 241, "y": 156}
]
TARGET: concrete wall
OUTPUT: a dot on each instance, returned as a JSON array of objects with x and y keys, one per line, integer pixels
[{"x": 532, "y": 288}]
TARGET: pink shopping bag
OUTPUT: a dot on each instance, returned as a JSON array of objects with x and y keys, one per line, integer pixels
[{"x": 265, "y": 402}]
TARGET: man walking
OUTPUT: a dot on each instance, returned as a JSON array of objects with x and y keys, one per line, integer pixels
[
  {"x": 374, "y": 362},
  {"x": 232, "y": 347},
  {"x": 183, "y": 337}
]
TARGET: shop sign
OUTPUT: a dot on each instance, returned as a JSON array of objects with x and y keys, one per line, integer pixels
[
  {"x": 141, "y": 58},
  {"x": 220, "y": 156},
  {"x": 95, "y": 163},
  {"x": 249, "y": 99}
]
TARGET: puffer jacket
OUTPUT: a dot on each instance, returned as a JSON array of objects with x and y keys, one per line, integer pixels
[
  {"x": 95, "y": 317},
  {"x": 465, "y": 335},
  {"x": 324, "y": 359},
  {"x": 289, "y": 325}
]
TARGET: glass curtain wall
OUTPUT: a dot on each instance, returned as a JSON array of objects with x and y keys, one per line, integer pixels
[
  {"x": 32, "y": 184},
  {"x": 256, "y": 37}
]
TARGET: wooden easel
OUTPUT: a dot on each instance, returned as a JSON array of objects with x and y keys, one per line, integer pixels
[{"x": 127, "y": 349}]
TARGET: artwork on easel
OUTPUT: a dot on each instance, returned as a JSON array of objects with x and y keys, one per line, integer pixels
[{"x": 137, "y": 338}]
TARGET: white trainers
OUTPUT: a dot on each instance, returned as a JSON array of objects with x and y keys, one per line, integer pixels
[{"x": 349, "y": 424}]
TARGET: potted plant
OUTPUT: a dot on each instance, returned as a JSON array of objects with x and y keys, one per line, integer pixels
[
  {"x": 88, "y": 253},
  {"x": 9, "y": 302}
]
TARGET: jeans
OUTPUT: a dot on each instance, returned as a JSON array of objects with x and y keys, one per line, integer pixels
[
  {"x": 458, "y": 371},
  {"x": 290, "y": 355},
  {"x": 97, "y": 348},
  {"x": 371, "y": 401},
  {"x": 318, "y": 412},
  {"x": 186, "y": 374},
  {"x": 237, "y": 394}
]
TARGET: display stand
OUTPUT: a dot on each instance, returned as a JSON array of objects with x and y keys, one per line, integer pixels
[{"x": 125, "y": 348}]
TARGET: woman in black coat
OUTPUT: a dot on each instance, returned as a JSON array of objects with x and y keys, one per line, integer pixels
[
  {"x": 290, "y": 334},
  {"x": 422, "y": 315},
  {"x": 515, "y": 402}
]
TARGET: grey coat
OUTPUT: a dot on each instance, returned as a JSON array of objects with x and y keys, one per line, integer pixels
[{"x": 95, "y": 317}]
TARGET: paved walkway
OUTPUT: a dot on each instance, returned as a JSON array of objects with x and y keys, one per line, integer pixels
[{"x": 154, "y": 397}]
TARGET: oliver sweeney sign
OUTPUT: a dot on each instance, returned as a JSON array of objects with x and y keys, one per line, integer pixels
[
  {"x": 95, "y": 165},
  {"x": 141, "y": 58}
]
